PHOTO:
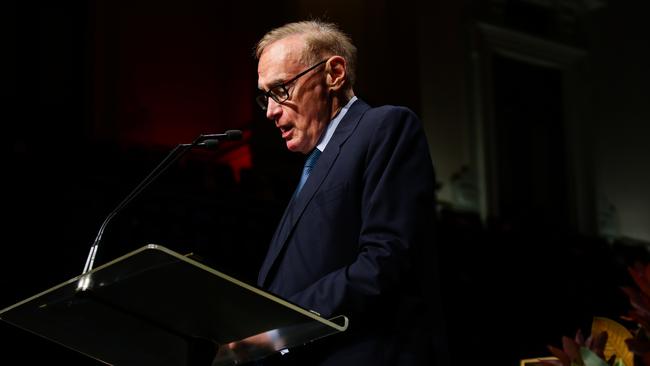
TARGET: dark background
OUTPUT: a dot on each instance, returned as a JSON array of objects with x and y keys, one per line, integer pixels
[{"x": 97, "y": 93}]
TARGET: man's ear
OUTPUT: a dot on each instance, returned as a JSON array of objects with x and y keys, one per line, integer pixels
[{"x": 336, "y": 73}]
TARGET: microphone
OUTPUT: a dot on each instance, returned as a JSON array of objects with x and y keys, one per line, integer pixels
[
  {"x": 230, "y": 135},
  {"x": 211, "y": 141},
  {"x": 205, "y": 141}
]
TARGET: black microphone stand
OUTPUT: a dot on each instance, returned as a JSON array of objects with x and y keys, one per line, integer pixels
[{"x": 207, "y": 141}]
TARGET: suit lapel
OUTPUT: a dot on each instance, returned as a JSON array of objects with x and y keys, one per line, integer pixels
[{"x": 297, "y": 205}]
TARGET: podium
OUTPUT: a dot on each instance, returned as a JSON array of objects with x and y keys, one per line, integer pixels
[{"x": 154, "y": 306}]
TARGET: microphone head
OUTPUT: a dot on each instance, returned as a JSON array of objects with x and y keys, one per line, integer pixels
[
  {"x": 230, "y": 135},
  {"x": 233, "y": 135},
  {"x": 209, "y": 144}
]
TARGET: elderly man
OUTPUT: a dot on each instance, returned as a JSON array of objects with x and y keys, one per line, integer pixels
[{"x": 361, "y": 219}]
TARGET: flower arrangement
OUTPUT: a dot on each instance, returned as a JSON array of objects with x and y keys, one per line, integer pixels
[
  {"x": 604, "y": 347},
  {"x": 640, "y": 313},
  {"x": 610, "y": 343}
]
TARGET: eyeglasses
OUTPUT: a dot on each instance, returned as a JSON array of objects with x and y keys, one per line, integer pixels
[{"x": 280, "y": 93}]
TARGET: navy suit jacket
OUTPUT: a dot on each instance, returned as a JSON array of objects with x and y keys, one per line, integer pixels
[{"x": 351, "y": 241}]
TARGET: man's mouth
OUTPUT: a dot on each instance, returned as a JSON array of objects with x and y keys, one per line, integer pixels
[{"x": 286, "y": 131}]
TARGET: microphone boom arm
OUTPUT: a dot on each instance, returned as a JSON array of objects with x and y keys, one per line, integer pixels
[
  {"x": 209, "y": 140},
  {"x": 173, "y": 156}
]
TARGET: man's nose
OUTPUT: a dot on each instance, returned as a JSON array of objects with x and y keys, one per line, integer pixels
[{"x": 273, "y": 109}]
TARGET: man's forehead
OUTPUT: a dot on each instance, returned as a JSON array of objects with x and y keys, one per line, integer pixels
[{"x": 279, "y": 60}]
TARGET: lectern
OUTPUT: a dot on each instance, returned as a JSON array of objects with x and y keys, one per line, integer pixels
[{"x": 154, "y": 306}]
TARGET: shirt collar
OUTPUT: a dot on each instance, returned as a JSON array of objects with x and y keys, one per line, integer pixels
[{"x": 331, "y": 127}]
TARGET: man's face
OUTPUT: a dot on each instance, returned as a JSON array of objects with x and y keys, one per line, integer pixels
[{"x": 305, "y": 115}]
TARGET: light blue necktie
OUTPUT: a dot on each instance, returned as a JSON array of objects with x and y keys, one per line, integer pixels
[{"x": 309, "y": 164}]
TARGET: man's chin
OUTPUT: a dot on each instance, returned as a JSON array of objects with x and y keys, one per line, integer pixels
[{"x": 292, "y": 146}]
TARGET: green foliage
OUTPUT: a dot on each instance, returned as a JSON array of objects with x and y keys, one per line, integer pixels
[{"x": 581, "y": 352}]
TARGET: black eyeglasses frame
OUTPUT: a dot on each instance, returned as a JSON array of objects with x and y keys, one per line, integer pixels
[{"x": 280, "y": 92}]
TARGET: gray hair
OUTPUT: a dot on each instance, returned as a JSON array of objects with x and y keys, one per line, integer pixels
[{"x": 321, "y": 40}]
